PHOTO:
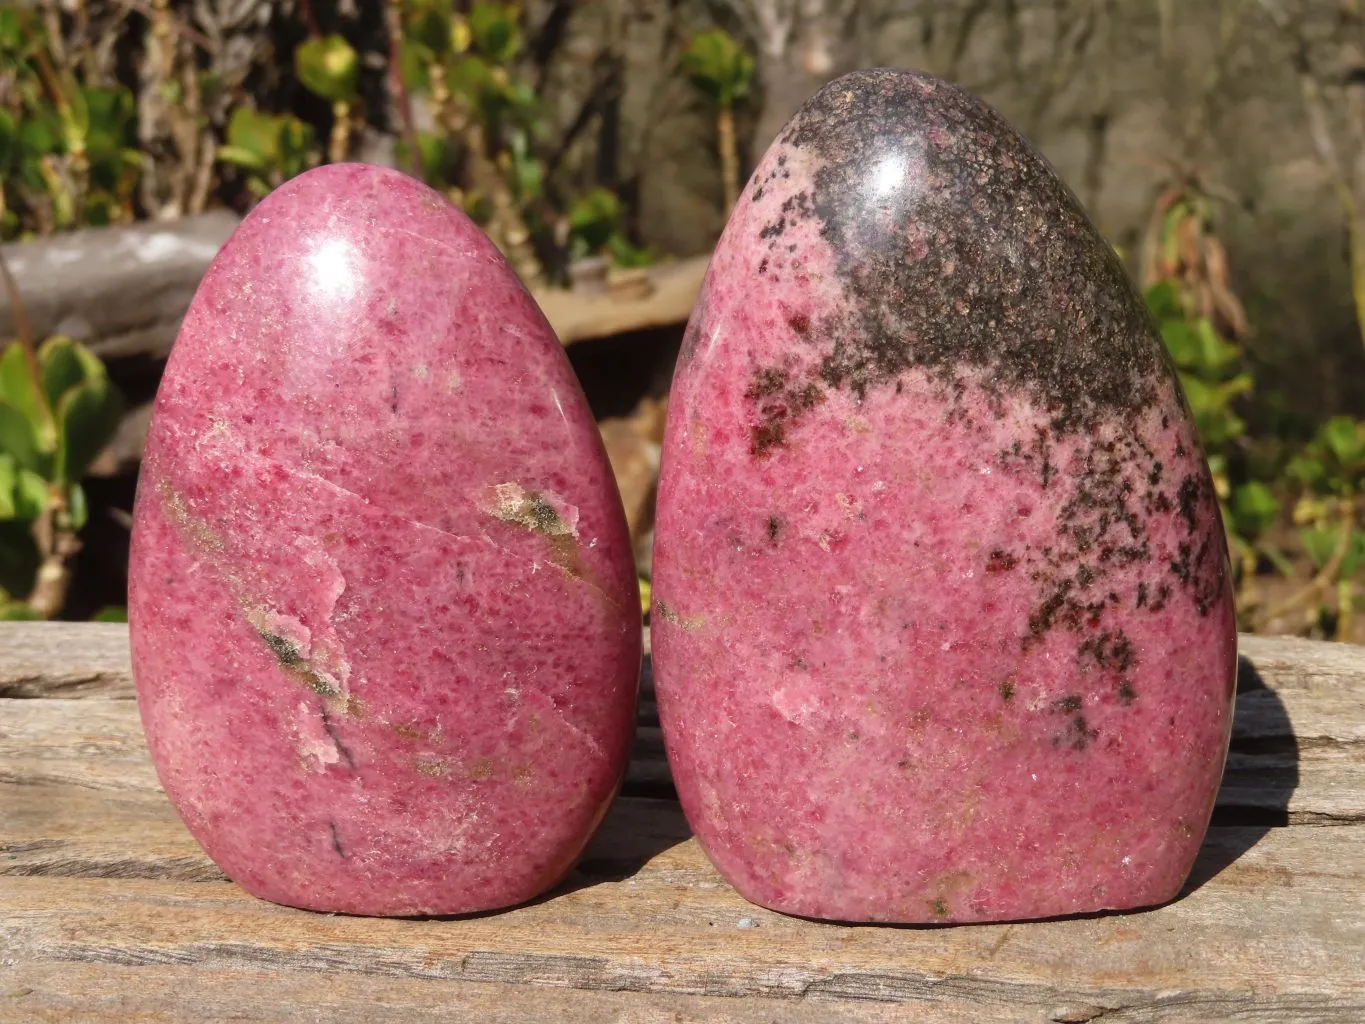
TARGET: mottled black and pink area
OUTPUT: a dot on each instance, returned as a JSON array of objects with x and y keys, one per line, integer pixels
[
  {"x": 383, "y": 606},
  {"x": 943, "y": 623}
]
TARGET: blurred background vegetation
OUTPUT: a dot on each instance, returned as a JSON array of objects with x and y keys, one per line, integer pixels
[{"x": 1219, "y": 143}]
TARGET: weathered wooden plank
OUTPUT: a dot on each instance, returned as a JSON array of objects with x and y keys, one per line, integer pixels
[
  {"x": 103, "y": 993},
  {"x": 64, "y": 659},
  {"x": 1277, "y": 934},
  {"x": 1293, "y": 663},
  {"x": 109, "y": 911}
]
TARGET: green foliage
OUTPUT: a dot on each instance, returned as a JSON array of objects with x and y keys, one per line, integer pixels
[
  {"x": 57, "y": 412},
  {"x": 1211, "y": 369},
  {"x": 595, "y": 229},
  {"x": 328, "y": 67},
  {"x": 270, "y": 148},
  {"x": 718, "y": 66},
  {"x": 1333, "y": 463},
  {"x": 594, "y": 219},
  {"x": 625, "y": 255},
  {"x": 67, "y": 156}
]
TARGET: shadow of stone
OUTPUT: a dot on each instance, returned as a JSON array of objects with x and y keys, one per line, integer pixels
[{"x": 1261, "y": 776}]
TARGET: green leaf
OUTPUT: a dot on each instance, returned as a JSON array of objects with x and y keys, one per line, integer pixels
[
  {"x": 718, "y": 66},
  {"x": 470, "y": 77},
  {"x": 414, "y": 63},
  {"x": 623, "y": 254},
  {"x": 13, "y": 31},
  {"x": 1181, "y": 342},
  {"x": 112, "y": 113},
  {"x": 1345, "y": 439},
  {"x": 296, "y": 144},
  {"x": 1254, "y": 509},
  {"x": 255, "y": 133},
  {"x": 32, "y": 493},
  {"x": 328, "y": 67},
  {"x": 8, "y": 478},
  {"x": 1307, "y": 469},
  {"x": 77, "y": 507},
  {"x": 40, "y": 133},
  {"x": 87, "y": 419},
  {"x": 240, "y": 157},
  {"x": 17, "y": 388},
  {"x": 435, "y": 154},
  {"x": 1319, "y": 543},
  {"x": 594, "y": 218},
  {"x": 111, "y": 613},
  {"x": 429, "y": 26},
  {"x": 1163, "y": 299},
  {"x": 18, "y": 439},
  {"x": 1216, "y": 355},
  {"x": 62, "y": 368},
  {"x": 494, "y": 31},
  {"x": 19, "y": 557}
]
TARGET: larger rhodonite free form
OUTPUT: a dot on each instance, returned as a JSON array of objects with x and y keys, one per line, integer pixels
[
  {"x": 943, "y": 628},
  {"x": 383, "y": 608}
]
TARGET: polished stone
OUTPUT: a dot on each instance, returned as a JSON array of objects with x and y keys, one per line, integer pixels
[
  {"x": 943, "y": 628},
  {"x": 384, "y": 616}
]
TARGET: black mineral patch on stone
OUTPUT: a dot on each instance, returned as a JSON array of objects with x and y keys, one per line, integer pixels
[{"x": 958, "y": 247}]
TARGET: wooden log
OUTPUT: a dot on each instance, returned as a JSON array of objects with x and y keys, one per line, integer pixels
[
  {"x": 124, "y": 290},
  {"x": 121, "y": 290}
]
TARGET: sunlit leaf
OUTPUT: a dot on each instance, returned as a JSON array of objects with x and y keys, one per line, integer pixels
[
  {"x": 717, "y": 65},
  {"x": 76, "y": 507},
  {"x": 62, "y": 368},
  {"x": 18, "y": 439},
  {"x": 328, "y": 67},
  {"x": 32, "y": 493},
  {"x": 1319, "y": 543},
  {"x": 494, "y": 31},
  {"x": 1254, "y": 509},
  {"x": 87, "y": 419},
  {"x": 8, "y": 474}
]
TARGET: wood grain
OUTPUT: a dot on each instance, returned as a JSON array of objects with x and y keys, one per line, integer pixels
[
  {"x": 110, "y": 912},
  {"x": 64, "y": 659}
]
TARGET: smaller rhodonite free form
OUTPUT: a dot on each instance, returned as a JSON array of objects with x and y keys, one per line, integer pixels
[
  {"x": 383, "y": 606},
  {"x": 942, "y": 624}
]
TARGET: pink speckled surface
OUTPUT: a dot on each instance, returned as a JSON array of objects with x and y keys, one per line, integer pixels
[
  {"x": 942, "y": 629},
  {"x": 383, "y": 611}
]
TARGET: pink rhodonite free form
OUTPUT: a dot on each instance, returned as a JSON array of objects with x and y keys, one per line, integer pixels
[
  {"x": 384, "y": 621},
  {"x": 942, "y": 626}
]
